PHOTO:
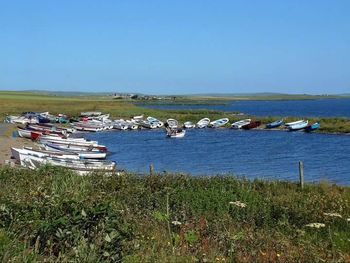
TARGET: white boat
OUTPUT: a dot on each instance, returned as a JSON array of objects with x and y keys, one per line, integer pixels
[
  {"x": 77, "y": 147},
  {"x": 82, "y": 167},
  {"x": 132, "y": 125},
  {"x": 120, "y": 125},
  {"x": 80, "y": 126},
  {"x": 240, "y": 124},
  {"x": 138, "y": 118},
  {"x": 86, "y": 154},
  {"x": 16, "y": 152},
  {"x": 67, "y": 141},
  {"x": 189, "y": 125},
  {"x": 148, "y": 124},
  {"x": 155, "y": 121},
  {"x": 172, "y": 123},
  {"x": 24, "y": 133},
  {"x": 176, "y": 133},
  {"x": 91, "y": 113},
  {"x": 297, "y": 125},
  {"x": 219, "y": 123},
  {"x": 203, "y": 123}
]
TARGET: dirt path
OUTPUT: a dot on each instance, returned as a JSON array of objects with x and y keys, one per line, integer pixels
[{"x": 7, "y": 141}]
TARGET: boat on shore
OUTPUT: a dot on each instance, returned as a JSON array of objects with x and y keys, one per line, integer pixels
[
  {"x": 189, "y": 125},
  {"x": 274, "y": 124},
  {"x": 297, "y": 125},
  {"x": 82, "y": 153},
  {"x": 240, "y": 124},
  {"x": 172, "y": 123},
  {"x": 82, "y": 167},
  {"x": 219, "y": 123},
  {"x": 251, "y": 125},
  {"x": 203, "y": 123},
  {"x": 312, "y": 127}
]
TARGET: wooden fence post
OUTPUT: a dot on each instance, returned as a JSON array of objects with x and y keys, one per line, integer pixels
[
  {"x": 151, "y": 169},
  {"x": 301, "y": 174}
]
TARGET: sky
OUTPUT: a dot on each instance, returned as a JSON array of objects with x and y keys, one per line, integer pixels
[{"x": 176, "y": 47}]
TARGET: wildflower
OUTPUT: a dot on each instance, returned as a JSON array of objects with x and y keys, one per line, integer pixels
[
  {"x": 278, "y": 255},
  {"x": 333, "y": 215},
  {"x": 348, "y": 219},
  {"x": 238, "y": 204},
  {"x": 316, "y": 225},
  {"x": 176, "y": 223}
]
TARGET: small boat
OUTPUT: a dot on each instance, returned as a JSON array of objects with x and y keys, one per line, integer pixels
[
  {"x": 189, "y": 125},
  {"x": 176, "y": 133},
  {"x": 240, "y": 124},
  {"x": 274, "y": 124},
  {"x": 251, "y": 125},
  {"x": 86, "y": 154},
  {"x": 24, "y": 133},
  {"x": 297, "y": 125},
  {"x": 73, "y": 146},
  {"x": 77, "y": 141},
  {"x": 172, "y": 123},
  {"x": 203, "y": 123},
  {"x": 82, "y": 167},
  {"x": 149, "y": 125},
  {"x": 155, "y": 122},
  {"x": 120, "y": 125},
  {"x": 312, "y": 127},
  {"x": 219, "y": 123},
  {"x": 16, "y": 152}
]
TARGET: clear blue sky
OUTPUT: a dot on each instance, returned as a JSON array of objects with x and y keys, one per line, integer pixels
[{"x": 182, "y": 46}]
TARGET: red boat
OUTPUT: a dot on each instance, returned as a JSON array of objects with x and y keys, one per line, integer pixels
[{"x": 252, "y": 125}]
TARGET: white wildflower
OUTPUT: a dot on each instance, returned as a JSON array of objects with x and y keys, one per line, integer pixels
[
  {"x": 176, "y": 223},
  {"x": 316, "y": 225},
  {"x": 348, "y": 219},
  {"x": 238, "y": 203},
  {"x": 333, "y": 215}
]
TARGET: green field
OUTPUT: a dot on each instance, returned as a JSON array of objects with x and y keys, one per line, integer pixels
[
  {"x": 52, "y": 215},
  {"x": 13, "y": 103}
]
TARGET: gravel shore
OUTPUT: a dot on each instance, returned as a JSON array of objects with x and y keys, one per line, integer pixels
[{"x": 7, "y": 141}]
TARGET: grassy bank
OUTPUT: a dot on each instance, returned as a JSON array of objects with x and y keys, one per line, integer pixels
[
  {"x": 53, "y": 215},
  {"x": 13, "y": 103}
]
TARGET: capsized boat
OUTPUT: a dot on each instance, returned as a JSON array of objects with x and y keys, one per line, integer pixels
[
  {"x": 172, "y": 123},
  {"x": 240, "y": 124},
  {"x": 312, "y": 127},
  {"x": 189, "y": 125},
  {"x": 219, "y": 123},
  {"x": 203, "y": 123},
  {"x": 274, "y": 124},
  {"x": 251, "y": 125},
  {"x": 297, "y": 125}
]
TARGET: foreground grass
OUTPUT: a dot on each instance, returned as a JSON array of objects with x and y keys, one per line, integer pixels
[{"x": 53, "y": 215}]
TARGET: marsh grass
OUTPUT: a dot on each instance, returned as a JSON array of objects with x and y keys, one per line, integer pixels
[
  {"x": 54, "y": 215},
  {"x": 13, "y": 103}
]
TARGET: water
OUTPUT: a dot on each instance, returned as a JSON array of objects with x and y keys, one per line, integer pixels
[
  {"x": 298, "y": 108},
  {"x": 253, "y": 154}
]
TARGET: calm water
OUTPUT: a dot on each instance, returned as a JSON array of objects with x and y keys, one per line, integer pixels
[
  {"x": 254, "y": 154},
  {"x": 301, "y": 108}
]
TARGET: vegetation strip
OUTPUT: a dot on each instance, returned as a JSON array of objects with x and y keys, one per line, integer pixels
[{"x": 53, "y": 215}]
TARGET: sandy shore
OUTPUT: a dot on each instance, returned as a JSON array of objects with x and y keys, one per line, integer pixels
[{"x": 7, "y": 141}]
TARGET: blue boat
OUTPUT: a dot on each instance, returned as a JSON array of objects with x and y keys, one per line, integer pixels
[
  {"x": 274, "y": 124},
  {"x": 312, "y": 127}
]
